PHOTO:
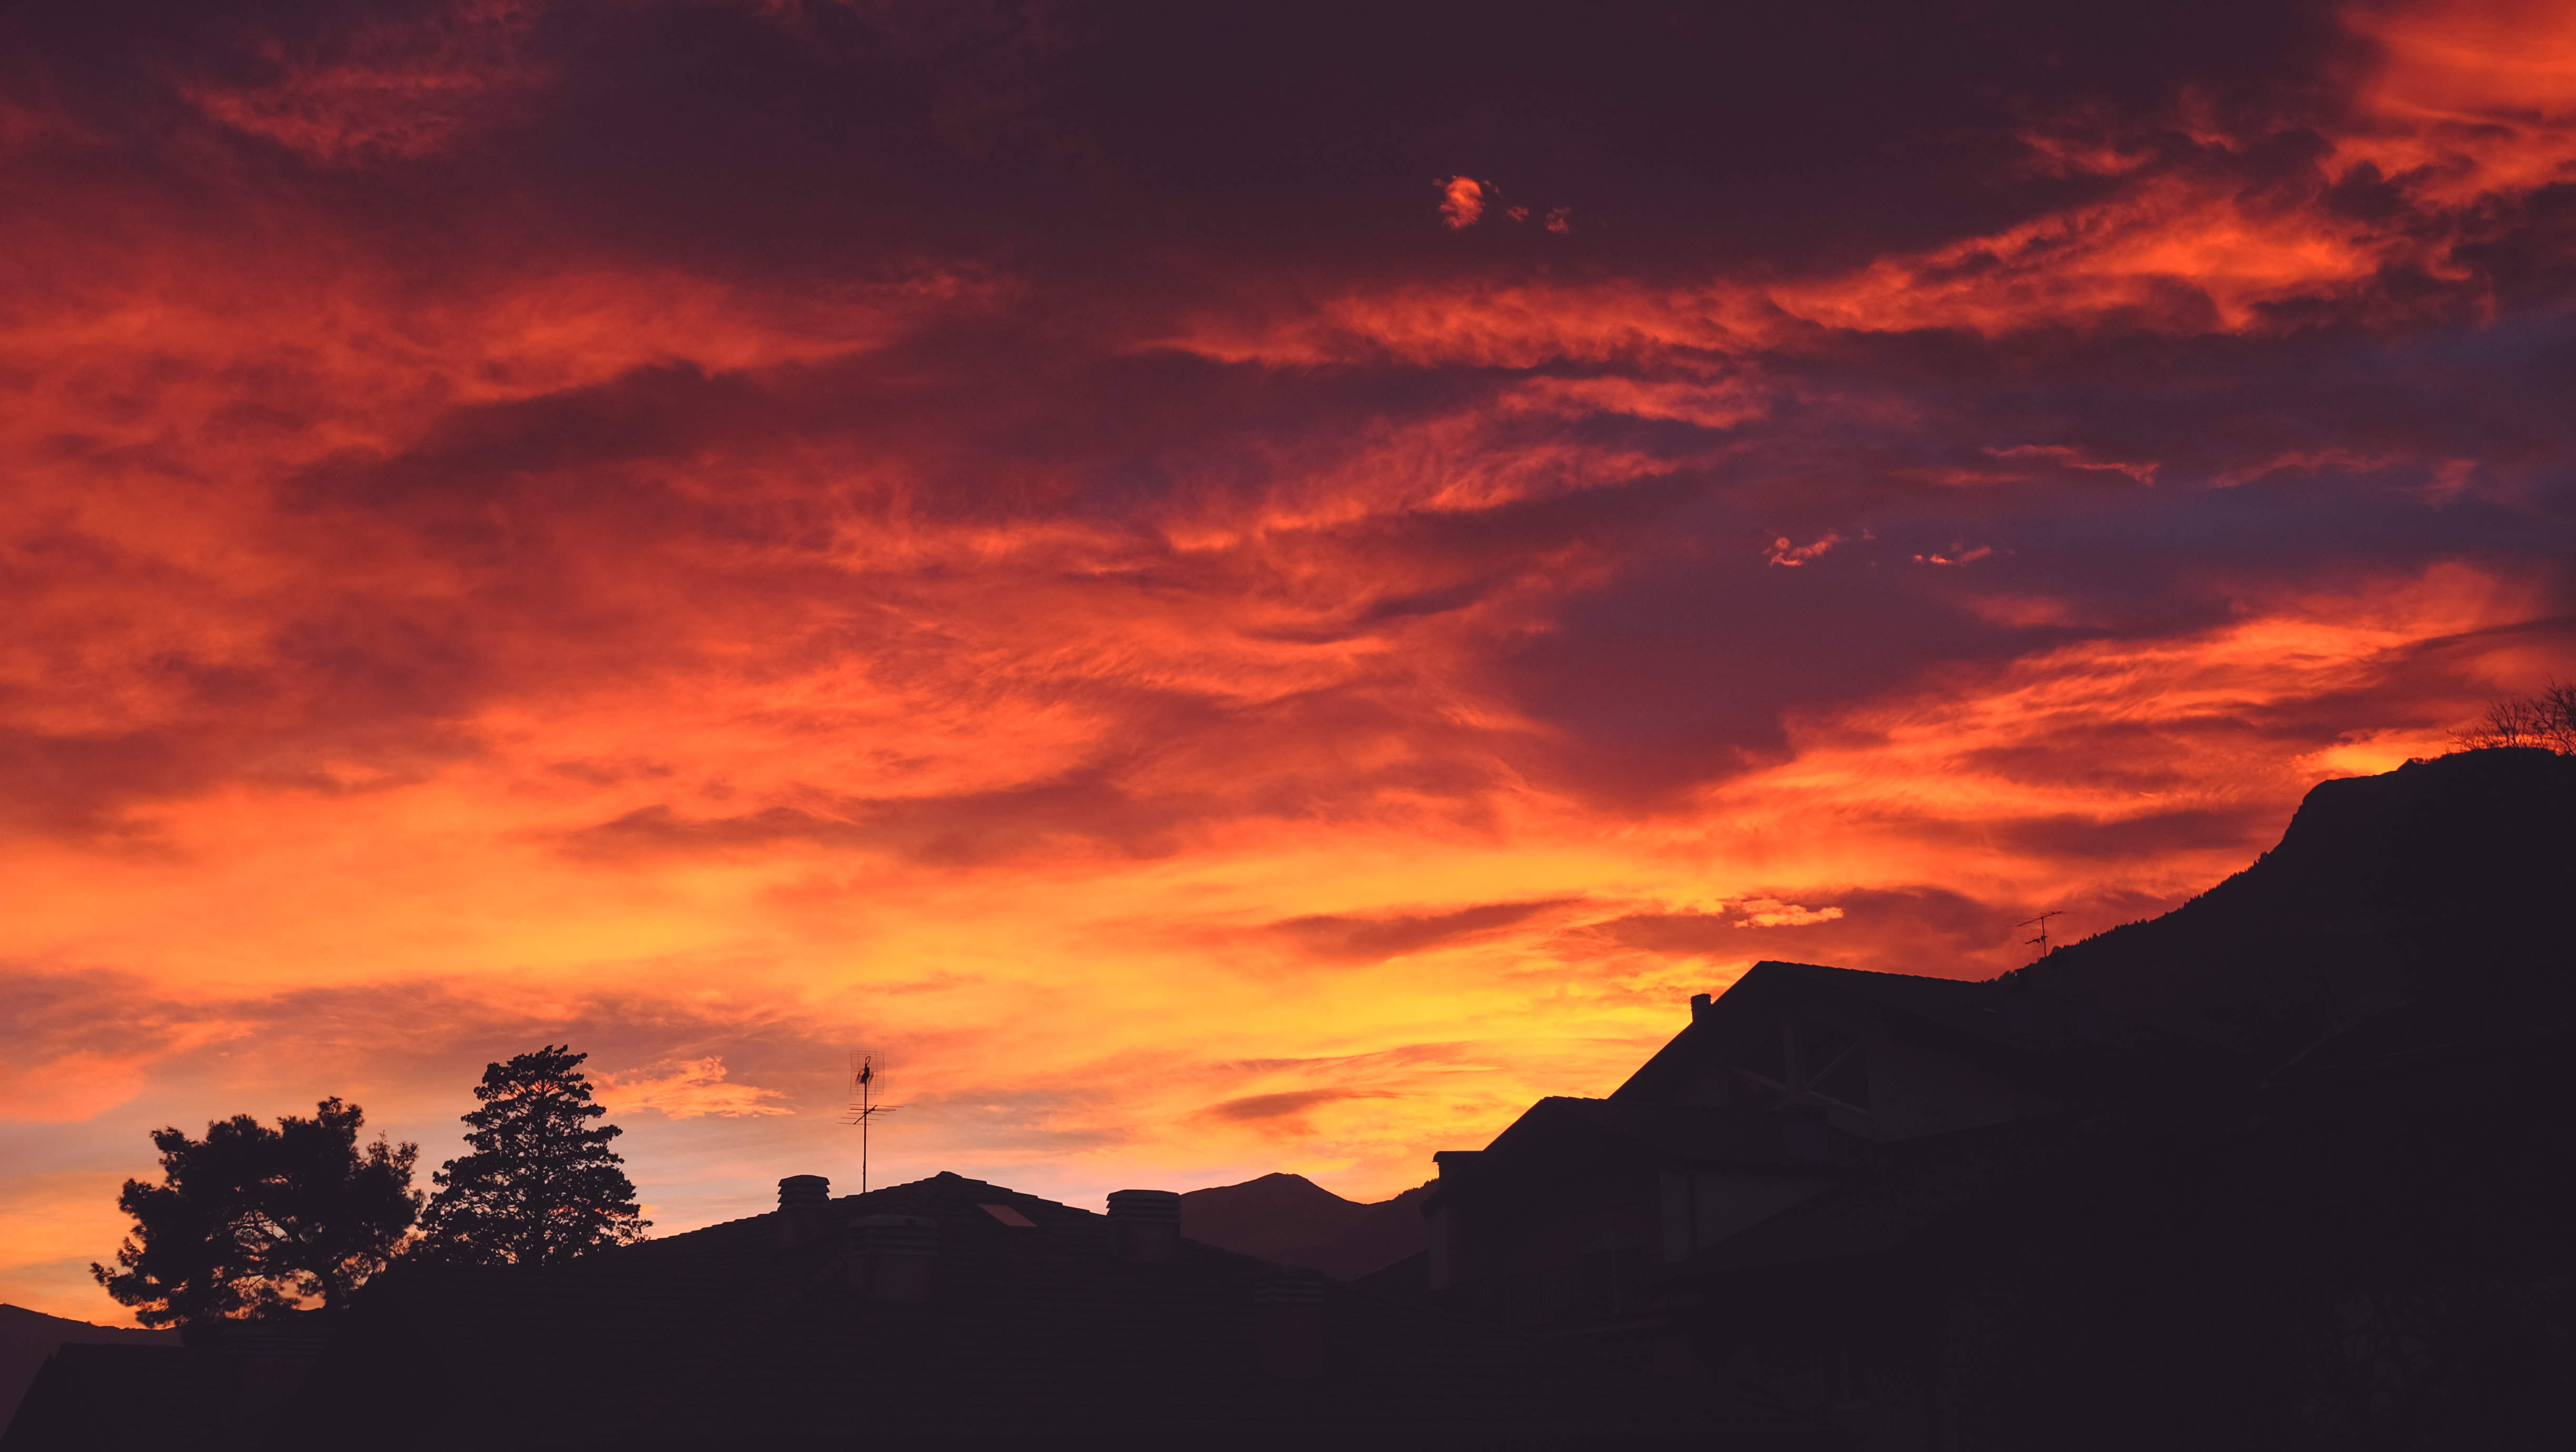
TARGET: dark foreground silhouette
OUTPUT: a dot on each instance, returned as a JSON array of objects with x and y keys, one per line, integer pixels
[
  {"x": 949, "y": 1312},
  {"x": 2292, "y": 1166},
  {"x": 2289, "y": 1167},
  {"x": 27, "y": 1338}
]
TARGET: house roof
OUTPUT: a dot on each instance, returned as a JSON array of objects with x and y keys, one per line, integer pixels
[
  {"x": 1033, "y": 1333},
  {"x": 116, "y": 1397},
  {"x": 1999, "y": 1020},
  {"x": 1558, "y": 1131},
  {"x": 2397, "y": 1113}
]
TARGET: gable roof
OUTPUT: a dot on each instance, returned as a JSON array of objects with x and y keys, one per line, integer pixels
[
  {"x": 219, "y": 1394},
  {"x": 1034, "y": 1333},
  {"x": 1997, "y": 1020},
  {"x": 114, "y": 1397}
]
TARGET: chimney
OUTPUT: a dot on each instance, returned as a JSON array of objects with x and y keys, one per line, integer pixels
[
  {"x": 891, "y": 1257},
  {"x": 804, "y": 1205},
  {"x": 1288, "y": 1323},
  {"x": 1699, "y": 1006},
  {"x": 1804, "y": 1132},
  {"x": 1145, "y": 1226}
]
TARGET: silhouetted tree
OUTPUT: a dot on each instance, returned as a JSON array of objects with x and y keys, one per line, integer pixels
[
  {"x": 2546, "y": 718},
  {"x": 249, "y": 1219},
  {"x": 541, "y": 1186}
]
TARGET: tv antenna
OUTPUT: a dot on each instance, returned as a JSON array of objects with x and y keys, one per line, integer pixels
[
  {"x": 863, "y": 1106},
  {"x": 2041, "y": 922}
]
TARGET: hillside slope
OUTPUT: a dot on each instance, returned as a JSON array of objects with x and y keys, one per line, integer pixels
[
  {"x": 2449, "y": 878},
  {"x": 1291, "y": 1219}
]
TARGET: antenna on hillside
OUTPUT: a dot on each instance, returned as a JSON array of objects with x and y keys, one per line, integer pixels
[
  {"x": 2041, "y": 940},
  {"x": 863, "y": 1106}
]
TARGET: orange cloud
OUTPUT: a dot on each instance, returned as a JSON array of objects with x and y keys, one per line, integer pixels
[
  {"x": 2467, "y": 98},
  {"x": 484, "y": 574},
  {"x": 691, "y": 1089},
  {"x": 1783, "y": 552},
  {"x": 1462, "y": 203}
]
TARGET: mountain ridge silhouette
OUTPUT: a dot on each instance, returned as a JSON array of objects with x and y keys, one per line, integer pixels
[
  {"x": 1291, "y": 1219},
  {"x": 2447, "y": 879}
]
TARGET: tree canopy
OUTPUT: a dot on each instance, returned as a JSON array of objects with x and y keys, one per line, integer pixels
[
  {"x": 250, "y": 1220},
  {"x": 541, "y": 1185}
]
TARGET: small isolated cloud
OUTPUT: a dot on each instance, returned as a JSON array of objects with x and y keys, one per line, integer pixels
[
  {"x": 691, "y": 1089},
  {"x": 1772, "y": 912},
  {"x": 1517, "y": 214},
  {"x": 1462, "y": 202},
  {"x": 1282, "y": 1106},
  {"x": 1956, "y": 556},
  {"x": 2144, "y": 473},
  {"x": 2304, "y": 462},
  {"x": 1560, "y": 220},
  {"x": 1369, "y": 939},
  {"x": 1784, "y": 552}
]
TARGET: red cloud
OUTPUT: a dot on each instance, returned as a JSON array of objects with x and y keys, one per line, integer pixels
[
  {"x": 726, "y": 535},
  {"x": 1462, "y": 203},
  {"x": 1783, "y": 552},
  {"x": 379, "y": 90}
]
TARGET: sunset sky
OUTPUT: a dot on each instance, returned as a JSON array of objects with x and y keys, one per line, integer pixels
[{"x": 1227, "y": 588}]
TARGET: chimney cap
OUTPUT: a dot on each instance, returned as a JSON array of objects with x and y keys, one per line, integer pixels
[
  {"x": 1154, "y": 1205},
  {"x": 802, "y": 1203}
]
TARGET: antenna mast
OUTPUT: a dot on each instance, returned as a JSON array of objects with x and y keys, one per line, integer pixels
[
  {"x": 863, "y": 1106},
  {"x": 2041, "y": 940}
]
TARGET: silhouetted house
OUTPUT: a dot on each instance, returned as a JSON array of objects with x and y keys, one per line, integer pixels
[
  {"x": 29, "y": 1339},
  {"x": 1970, "y": 1215},
  {"x": 2288, "y": 1165},
  {"x": 221, "y": 1392},
  {"x": 1888, "y": 1056},
  {"x": 1782, "y": 1089},
  {"x": 954, "y": 1312}
]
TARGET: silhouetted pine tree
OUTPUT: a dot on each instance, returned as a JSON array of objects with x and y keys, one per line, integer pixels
[
  {"x": 541, "y": 1186},
  {"x": 249, "y": 1219}
]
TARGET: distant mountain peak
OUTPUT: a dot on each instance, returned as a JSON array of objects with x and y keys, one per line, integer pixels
[{"x": 1290, "y": 1218}]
